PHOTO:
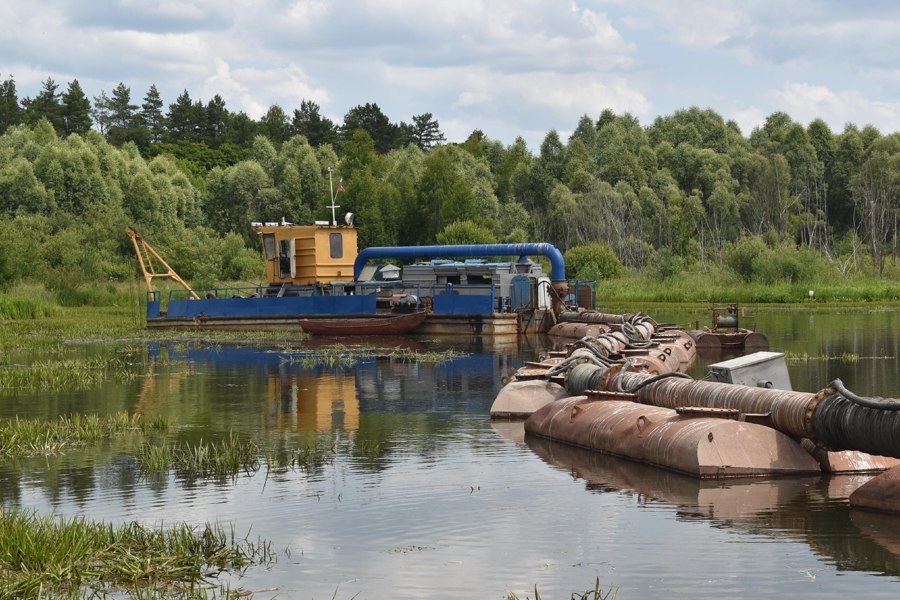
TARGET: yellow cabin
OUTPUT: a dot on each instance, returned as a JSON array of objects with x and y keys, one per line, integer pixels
[{"x": 308, "y": 254}]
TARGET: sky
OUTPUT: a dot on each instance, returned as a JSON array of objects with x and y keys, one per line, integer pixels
[{"x": 507, "y": 67}]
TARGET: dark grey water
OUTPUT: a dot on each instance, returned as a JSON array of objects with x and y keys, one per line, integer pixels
[{"x": 450, "y": 505}]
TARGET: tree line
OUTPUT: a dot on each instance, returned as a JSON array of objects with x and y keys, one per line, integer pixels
[{"x": 688, "y": 191}]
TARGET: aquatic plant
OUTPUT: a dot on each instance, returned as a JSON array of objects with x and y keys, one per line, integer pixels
[
  {"x": 593, "y": 594},
  {"x": 49, "y": 556},
  {"x": 803, "y": 357},
  {"x": 65, "y": 374},
  {"x": 41, "y": 437},
  {"x": 340, "y": 355},
  {"x": 224, "y": 458}
]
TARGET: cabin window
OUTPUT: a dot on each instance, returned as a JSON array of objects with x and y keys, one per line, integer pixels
[
  {"x": 269, "y": 245},
  {"x": 285, "y": 259},
  {"x": 337, "y": 245}
]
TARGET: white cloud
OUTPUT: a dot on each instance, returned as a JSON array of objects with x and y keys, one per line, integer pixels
[
  {"x": 748, "y": 118},
  {"x": 806, "y": 102}
]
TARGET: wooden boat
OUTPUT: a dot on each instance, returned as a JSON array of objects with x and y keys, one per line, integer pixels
[{"x": 387, "y": 324}]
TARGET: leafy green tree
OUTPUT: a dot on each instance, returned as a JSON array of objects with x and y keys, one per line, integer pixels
[
  {"x": 275, "y": 125},
  {"x": 465, "y": 232},
  {"x": 444, "y": 196},
  {"x": 241, "y": 194},
  {"x": 848, "y": 157},
  {"x": 552, "y": 159},
  {"x": 593, "y": 261},
  {"x": 309, "y": 122},
  {"x": 76, "y": 110},
  {"x": 20, "y": 189},
  {"x": 10, "y": 111},
  {"x": 298, "y": 176},
  {"x": 876, "y": 189},
  {"x": 359, "y": 155}
]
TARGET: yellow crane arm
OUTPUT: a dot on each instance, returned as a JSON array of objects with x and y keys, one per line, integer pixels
[{"x": 146, "y": 255}]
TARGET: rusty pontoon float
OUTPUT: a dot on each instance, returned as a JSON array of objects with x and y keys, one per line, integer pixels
[
  {"x": 316, "y": 280},
  {"x": 597, "y": 396}
]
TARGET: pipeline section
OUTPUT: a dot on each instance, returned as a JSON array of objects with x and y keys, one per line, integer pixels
[{"x": 833, "y": 417}]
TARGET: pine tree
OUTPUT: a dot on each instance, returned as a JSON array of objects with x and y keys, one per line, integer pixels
[
  {"x": 151, "y": 115},
  {"x": 76, "y": 109},
  {"x": 186, "y": 119},
  {"x": 123, "y": 127},
  {"x": 308, "y": 122},
  {"x": 10, "y": 111},
  {"x": 101, "y": 112},
  {"x": 426, "y": 131},
  {"x": 216, "y": 122},
  {"x": 45, "y": 105}
]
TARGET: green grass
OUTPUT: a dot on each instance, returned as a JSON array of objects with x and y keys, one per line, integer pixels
[
  {"x": 57, "y": 557},
  {"x": 20, "y": 308},
  {"x": 702, "y": 288}
]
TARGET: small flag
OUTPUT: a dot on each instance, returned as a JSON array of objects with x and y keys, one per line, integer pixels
[{"x": 341, "y": 185}]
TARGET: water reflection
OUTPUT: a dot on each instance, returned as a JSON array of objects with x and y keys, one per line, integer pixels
[{"x": 811, "y": 510}]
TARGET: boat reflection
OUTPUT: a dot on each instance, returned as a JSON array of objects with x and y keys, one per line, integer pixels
[
  {"x": 301, "y": 393},
  {"x": 810, "y": 510}
]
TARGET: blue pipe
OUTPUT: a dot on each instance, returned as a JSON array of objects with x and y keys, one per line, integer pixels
[{"x": 558, "y": 272}]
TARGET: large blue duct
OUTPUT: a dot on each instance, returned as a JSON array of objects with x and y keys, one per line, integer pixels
[{"x": 558, "y": 272}]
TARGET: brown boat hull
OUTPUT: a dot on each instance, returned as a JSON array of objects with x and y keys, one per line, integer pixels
[{"x": 389, "y": 324}]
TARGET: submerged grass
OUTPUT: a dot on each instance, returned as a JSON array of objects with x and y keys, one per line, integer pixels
[
  {"x": 794, "y": 358},
  {"x": 65, "y": 374},
  {"x": 39, "y": 437},
  {"x": 340, "y": 355},
  {"x": 48, "y": 557},
  {"x": 593, "y": 594}
]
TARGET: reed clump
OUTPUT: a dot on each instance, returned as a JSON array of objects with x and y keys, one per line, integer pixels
[
  {"x": 223, "y": 458},
  {"x": 40, "y": 437},
  {"x": 48, "y": 556},
  {"x": 17, "y": 308}
]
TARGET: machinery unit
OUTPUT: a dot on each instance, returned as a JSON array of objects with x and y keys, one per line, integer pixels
[{"x": 760, "y": 369}]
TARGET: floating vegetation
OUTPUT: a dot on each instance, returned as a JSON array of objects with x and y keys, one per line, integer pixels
[
  {"x": 594, "y": 594},
  {"x": 47, "y": 557},
  {"x": 65, "y": 374},
  {"x": 793, "y": 358},
  {"x": 340, "y": 355},
  {"x": 323, "y": 452},
  {"x": 38, "y": 437},
  {"x": 225, "y": 458}
]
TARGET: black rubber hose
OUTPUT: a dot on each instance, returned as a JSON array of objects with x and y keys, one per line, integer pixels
[
  {"x": 654, "y": 379},
  {"x": 843, "y": 424},
  {"x": 875, "y": 402},
  {"x": 583, "y": 377}
]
